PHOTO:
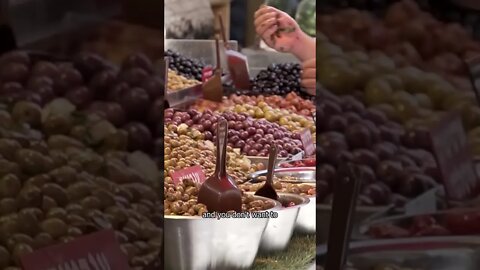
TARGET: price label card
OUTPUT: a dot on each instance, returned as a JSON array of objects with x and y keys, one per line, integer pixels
[
  {"x": 238, "y": 67},
  {"x": 98, "y": 250},
  {"x": 450, "y": 147},
  {"x": 307, "y": 141},
  {"x": 423, "y": 204},
  {"x": 207, "y": 73},
  {"x": 195, "y": 173},
  {"x": 297, "y": 156}
]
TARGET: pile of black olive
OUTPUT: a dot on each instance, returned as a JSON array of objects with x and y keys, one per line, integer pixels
[{"x": 188, "y": 67}]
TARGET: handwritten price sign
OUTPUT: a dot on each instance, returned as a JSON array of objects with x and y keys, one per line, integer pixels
[
  {"x": 207, "y": 73},
  {"x": 195, "y": 173},
  {"x": 307, "y": 141}
]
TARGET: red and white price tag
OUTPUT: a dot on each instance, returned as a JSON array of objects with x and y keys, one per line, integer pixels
[
  {"x": 423, "y": 204},
  {"x": 195, "y": 173},
  {"x": 98, "y": 250},
  {"x": 238, "y": 67},
  {"x": 207, "y": 73},
  {"x": 450, "y": 147},
  {"x": 307, "y": 141}
]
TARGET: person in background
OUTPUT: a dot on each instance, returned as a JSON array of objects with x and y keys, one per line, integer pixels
[{"x": 281, "y": 32}]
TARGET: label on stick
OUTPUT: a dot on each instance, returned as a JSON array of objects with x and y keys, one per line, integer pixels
[
  {"x": 195, "y": 173},
  {"x": 450, "y": 147},
  {"x": 98, "y": 250},
  {"x": 238, "y": 67},
  {"x": 207, "y": 73},
  {"x": 307, "y": 141}
]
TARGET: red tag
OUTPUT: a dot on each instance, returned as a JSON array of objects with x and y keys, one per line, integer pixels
[
  {"x": 450, "y": 147},
  {"x": 195, "y": 173},
  {"x": 307, "y": 141},
  {"x": 238, "y": 67},
  {"x": 98, "y": 250},
  {"x": 207, "y": 73}
]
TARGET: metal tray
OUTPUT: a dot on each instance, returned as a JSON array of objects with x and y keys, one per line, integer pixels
[
  {"x": 303, "y": 174},
  {"x": 185, "y": 96},
  {"x": 434, "y": 253},
  {"x": 263, "y": 160}
]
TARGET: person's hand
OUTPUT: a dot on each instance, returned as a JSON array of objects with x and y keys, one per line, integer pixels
[
  {"x": 277, "y": 29},
  {"x": 309, "y": 75}
]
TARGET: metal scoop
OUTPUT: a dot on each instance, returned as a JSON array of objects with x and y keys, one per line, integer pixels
[
  {"x": 268, "y": 190},
  {"x": 219, "y": 192}
]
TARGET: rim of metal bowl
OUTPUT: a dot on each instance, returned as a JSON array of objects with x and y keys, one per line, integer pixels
[
  {"x": 277, "y": 206},
  {"x": 305, "y": 200}
]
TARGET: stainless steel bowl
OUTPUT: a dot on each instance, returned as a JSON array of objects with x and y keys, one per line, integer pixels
[
  {"x": 433, "y": 253},
  {"x": 280, "y": 229},
  {"x": 263, "y": 160},
  {"x": 196, "y": 243},
  {"x": 306, "y": 220},
  {"x": 307, "y": 217},
  {"x": 302, "y": 174}
]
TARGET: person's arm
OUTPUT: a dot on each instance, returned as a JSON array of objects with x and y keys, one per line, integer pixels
[{"x": 305, "y": 47}]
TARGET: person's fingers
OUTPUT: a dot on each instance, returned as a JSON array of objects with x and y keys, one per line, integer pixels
[
  {"x": 266, "y": 25},
  {"x": 268, "y": 34},
  {"x": 309, "y": 73},
  {"x": 263, "y": 10},
  {"x": 311, "y": 63},
  {"x": 262, "y": 20},
  {"x": 310, "y": 85}
]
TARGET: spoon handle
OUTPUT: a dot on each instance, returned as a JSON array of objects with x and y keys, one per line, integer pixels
[
  {"x": 272, "y": 160},
  {"x": 222, "y": 129},
  {"x": 343, "y": 207}
]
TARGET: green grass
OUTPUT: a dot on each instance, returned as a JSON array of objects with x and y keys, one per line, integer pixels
[{"x": 298, "y": 256}]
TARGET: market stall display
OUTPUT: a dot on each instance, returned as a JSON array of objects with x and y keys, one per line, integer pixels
[
  {"x": 254, "y": 126},
  {"x": 69, "y": 144},
  {"x": 56, "y": 188}
]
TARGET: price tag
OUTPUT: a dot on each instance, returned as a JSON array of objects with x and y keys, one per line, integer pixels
[
  {"x": 195, "y": 173},
  {"x": 297, "y": 156},
  {"x": 423, "y": 204},
  {"x": 307, "y": 141},
  {"x": 238, "y": 67},
  {"x": 450, "y": 147},
  {"x": 98, "y": 250},
  {"x": 207, "y": 73}
]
